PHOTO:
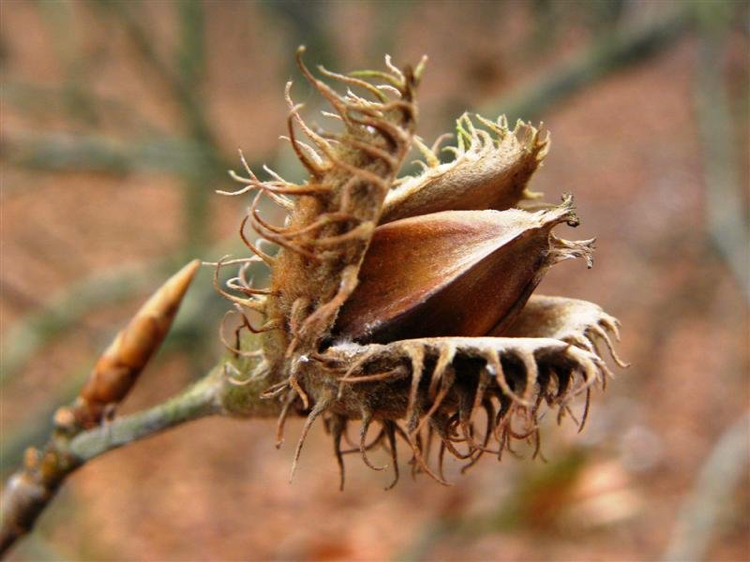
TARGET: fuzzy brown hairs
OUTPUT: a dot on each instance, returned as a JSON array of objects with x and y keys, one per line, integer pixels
[{"x": 406, "y": 303}]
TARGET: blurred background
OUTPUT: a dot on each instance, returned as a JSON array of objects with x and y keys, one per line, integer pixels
[{"x": 120, "y": 119}]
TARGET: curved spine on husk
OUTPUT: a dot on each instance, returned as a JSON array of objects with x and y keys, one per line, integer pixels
[{"x": 507, "y": 355}]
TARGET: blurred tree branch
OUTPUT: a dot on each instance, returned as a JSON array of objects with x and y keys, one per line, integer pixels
[
  {"x": 45, "y": 101},
  {"x": 727, "y": 229},
  {"x": 181, "y": 87},
  {"x": 607, "y": 55},
  {"x": 720, "y": 475},
  {"x": 726, "y": 211},
  {"x": 184, "y": 87},
  {"x": 100, "y": 153}
]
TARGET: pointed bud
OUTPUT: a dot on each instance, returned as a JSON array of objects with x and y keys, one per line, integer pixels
[
  {"x": 488, "y": 173},
  {"x": 118, "y": 367},
  {"x": 456, "y": 273}
]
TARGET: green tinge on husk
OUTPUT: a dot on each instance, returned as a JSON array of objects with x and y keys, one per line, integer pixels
[
  {"x": 491, "y": 171},
  {"x": 455, "y": 273}
]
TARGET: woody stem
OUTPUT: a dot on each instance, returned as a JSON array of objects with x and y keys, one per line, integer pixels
[{"x": 30, "y": 489}]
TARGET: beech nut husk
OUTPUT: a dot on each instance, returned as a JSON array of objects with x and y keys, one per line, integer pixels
[
  {"x": 491, "y": 171},
  {"x": 406, "y": 302}
]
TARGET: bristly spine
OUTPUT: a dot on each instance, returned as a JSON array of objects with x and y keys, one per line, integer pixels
[
  {"x": 332, "y": 216},
  {"x": 419, "y": 389}
]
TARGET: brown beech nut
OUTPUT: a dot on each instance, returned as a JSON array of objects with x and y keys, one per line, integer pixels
[{"x": 455, "y": 273}]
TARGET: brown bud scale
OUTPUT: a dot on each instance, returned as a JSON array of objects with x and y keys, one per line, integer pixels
[{"x": 118, "y": 368}]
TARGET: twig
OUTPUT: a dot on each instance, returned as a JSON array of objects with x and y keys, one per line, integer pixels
[
  {"x": 726, "y": 222},
  {"x": 200, "y": 400},
  {"x": 606, "y": 56},
  {"x": 30, "y": 489},
  {"x": 99, "y": 153},
  {"x": 81, "y": 431},
  {"x": 720, "y": 475}
]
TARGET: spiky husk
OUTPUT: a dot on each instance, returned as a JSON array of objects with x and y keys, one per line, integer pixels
[
  {"x": 421, "y": 390},
  {"x": 491, "y": 170}
]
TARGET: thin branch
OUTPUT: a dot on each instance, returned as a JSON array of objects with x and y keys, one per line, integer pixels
[
  {"x": 198, "y": 401},
  {"x": 722, "y": 472},
  {"x": 726, "y": 220},
  {"x": 29, "y": 490},
  {"x": 82, "y": 431},
  {"x": 606, "y": 56}
]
